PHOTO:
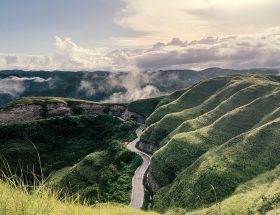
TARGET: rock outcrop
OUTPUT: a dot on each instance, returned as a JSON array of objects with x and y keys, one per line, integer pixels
[
  {"x": 149, "y": 148},
  {"x": 58, "y": 109},
  {"x": 21, "y": 113},
  {"x": 35, "y": 111}
]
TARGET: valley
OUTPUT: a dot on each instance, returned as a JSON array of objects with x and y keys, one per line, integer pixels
[
  {"x": 209, "y": 149},
  {"x": 138, "y": 190},
  {"x": 140, "y": 107}
]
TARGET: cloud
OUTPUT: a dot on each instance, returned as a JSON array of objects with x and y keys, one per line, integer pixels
[
  {"x": 68, "y": 56},
  {"x": 137, "y": 87},
  {"x": 235, "y": 51},
  {"x": 164, "y": 19},
  {"x": 86, "y": 86},
  {"x": 11, "y": 59},
  {"x": 258, "y": 50},
  {"x": 15, "y": 86},
  {"x": 127, "y": 86},
  {"x": 177, "y": 42},
  {"x": 137, "y": 93}
]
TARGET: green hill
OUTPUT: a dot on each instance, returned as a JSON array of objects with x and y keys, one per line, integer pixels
[
  {"x": 218, "y": 151},
  {"x": 214, "y": 138},
  {"x": 85, "y": 155}
]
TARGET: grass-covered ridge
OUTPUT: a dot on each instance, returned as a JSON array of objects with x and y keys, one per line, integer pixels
[{"x": 213, "y": 138}]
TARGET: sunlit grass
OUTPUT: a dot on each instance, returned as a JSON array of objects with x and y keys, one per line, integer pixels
[{"x": 18, "y": 198}]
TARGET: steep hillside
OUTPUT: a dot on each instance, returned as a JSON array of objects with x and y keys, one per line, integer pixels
[
  {"x": 213, "y": 138},
  {"x": 257, "y": 196},
  {"x": 103, "y": 176},
  {"x": 144, "y": 107},
  {"x": 71, "y": 147}
]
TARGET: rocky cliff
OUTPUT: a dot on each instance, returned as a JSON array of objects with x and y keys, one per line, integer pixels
[{"x": 31, "y": 112}]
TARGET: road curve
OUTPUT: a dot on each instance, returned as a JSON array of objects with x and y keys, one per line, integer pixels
[{"x": 137, "y": 195}]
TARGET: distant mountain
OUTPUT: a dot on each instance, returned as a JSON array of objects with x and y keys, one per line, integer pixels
[{"x": 104, "y": 85}]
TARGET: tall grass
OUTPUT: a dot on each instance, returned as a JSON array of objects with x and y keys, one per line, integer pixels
[
  {"x": 24, "y": 193},
  {"x": 19, "y": 198}
]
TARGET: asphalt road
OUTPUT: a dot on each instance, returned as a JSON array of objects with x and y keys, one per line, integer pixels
[{"x": 137, "y": 195}]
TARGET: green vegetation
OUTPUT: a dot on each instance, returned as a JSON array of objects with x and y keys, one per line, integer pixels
[
  {"x": 218, "y": 152},
  {"x": 20, "y": 200},
  {"x": 103, "y": 176},
  {"x": 257, "y": 196},
  {"x": 216, "y": 137},
  {"x": 144, "y": 107},
  {"x": 91, "y": 145}
]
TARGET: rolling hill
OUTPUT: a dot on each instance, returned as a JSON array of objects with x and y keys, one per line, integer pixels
[{"x": 215, "y": 140}]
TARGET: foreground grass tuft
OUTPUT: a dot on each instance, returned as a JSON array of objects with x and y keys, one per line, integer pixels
[{"x": 20, "y": 200}]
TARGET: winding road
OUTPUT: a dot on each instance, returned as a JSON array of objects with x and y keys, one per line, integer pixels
[{"x": 137, "y": 195}]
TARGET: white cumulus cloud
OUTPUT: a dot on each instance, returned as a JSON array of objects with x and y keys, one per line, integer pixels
[
  {"x": 14, "y": 86},
  {"x": 235, "y": 51}
]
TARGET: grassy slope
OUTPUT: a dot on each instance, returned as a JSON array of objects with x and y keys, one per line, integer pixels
[
  {"x": 190, "y": 145},
  {"x": 103, "y": 176},
  {"x": 224, "y": 140},
  {"x": 189, "y": 107},
  {"x": 225, "y": 167},
  {"x": 144, "y": 107},
  {"x": 65, "y": 141},
  {"x": 257, "y": 196},
  {"x": 195, "y": 95},
  {"x": 15, "y": 201}
]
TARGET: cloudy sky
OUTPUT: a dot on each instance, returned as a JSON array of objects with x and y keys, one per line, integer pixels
[{"x": 138, "y": 34}]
